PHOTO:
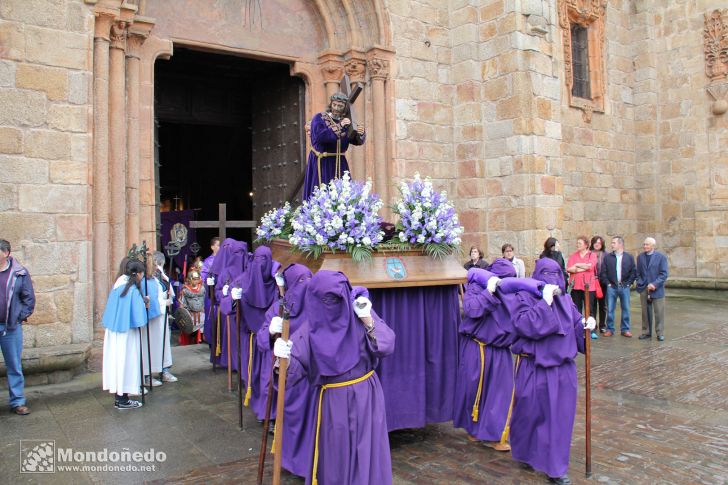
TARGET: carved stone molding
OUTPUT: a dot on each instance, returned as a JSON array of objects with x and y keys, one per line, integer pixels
[
  {"x": 589, "y": 14},
  {"x": 355, "y": 69},
  {"x": 118, "y": 35},
  {"x": 715, "y": 36},
  {"x": 102, "y": 27},
  {"x": 719, "y": 92},
  {"x": 137, "y": 34},
  {"x": 378, "y": 68}
]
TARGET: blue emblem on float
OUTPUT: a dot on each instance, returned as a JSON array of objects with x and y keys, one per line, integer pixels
[{"x": 395, "y": 269}]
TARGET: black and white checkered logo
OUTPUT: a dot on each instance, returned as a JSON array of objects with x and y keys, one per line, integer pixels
[{"x": 37, "y": 456}]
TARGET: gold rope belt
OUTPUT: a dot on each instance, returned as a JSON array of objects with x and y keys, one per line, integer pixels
[
  {"x": 320, "y": 155},
  {"x": 249, "y": 390},
  {"x": 476, "y": 404},
  {"x": 318, "y": 415},
  {"x": 507, "y": 428},
  {"x": 218, "y": 350}
]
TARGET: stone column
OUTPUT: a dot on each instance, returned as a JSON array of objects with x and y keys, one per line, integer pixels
[
  {"x": 355, "y": 68},
  {"x": 138, "y": 33},
  {"x": 117, "y": 141},
  {"x": 101, "y": 230},
  {"x": 378, "y": 73}
]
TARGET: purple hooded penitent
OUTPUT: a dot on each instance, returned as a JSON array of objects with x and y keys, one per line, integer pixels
[
  {"x": 485, "y": 371},
  {"x": 300, "y": 398},
  {"x": 547, "y": 340},
  {"x": 353, "y": 444},
  {"x": 229, "y": 262}
]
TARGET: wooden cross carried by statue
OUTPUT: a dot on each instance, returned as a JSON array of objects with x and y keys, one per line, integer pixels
[{"x": 222, "y": 223}]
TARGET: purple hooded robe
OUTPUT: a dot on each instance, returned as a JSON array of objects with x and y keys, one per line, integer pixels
[
  {"x": 231, "y": 261},
  {"x": 334, "y": 347},
  {"x": 546, "y": 343},
  {"x": 259, "y": 291},
  {"x": 300, "y": 398},
  {"x": 485, "y": 380}
]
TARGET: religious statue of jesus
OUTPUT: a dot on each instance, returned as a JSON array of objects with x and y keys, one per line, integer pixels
[{"x": 331, "y": 134}]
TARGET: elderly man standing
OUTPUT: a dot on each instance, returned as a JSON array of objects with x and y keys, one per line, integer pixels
[
  {"x": 17, "y": 302},
  {"x": 652, "y": 273}
]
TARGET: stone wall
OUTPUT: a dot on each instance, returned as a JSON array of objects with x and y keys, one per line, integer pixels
[
  {"x": 682, "y": 146},
  {"x": 45, "y": 138},
  {"x": 600, "y": 175}
]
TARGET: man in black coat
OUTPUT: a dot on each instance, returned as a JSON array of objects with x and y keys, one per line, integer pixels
[{"x": 617, "y": 274}]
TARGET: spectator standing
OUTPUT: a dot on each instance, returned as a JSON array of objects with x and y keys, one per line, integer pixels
[
  {"x": 652, "y": 273},
  {"x": 17, "y": 302},
  {"x": 552, "y": 250},
  {"x": 597, "y": 247},
  {"x": 617, "y": 275},
  {"x": 581, "y": 268},
  {"x": 509, "y": 254},
  {"x": 476, "y": 259}
]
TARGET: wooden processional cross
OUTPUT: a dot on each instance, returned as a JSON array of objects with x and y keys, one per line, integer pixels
[{"x": 222, "y": 223}]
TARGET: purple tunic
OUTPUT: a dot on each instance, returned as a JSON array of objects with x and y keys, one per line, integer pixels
[
  {"x": 230, "y": 262},
  {"x": 486, "y": 320},
  {"x": 204, "y": 273},
  {"x": 300, "y": 398},
  {"x": 259, "y": 292},
  {"x": 548, "y": 338},
  {"x": 353, "y": 444},
  {"x": 325, "y": 133}
]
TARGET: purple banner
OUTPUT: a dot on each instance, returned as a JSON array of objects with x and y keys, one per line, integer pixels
[{"x": 177, "y": 224}]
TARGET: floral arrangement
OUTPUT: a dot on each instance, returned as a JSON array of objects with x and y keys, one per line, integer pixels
[
  {"x": 427, "y": 219},
  {"x": 275, "y": 224},
  {"x": 339, "y": 216}
]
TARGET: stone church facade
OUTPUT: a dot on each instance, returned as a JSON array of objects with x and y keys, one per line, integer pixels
[{"x": 478, "y": 94}]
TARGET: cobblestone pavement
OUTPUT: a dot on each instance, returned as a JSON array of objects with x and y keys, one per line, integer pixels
[{"x": 660, "y": 415}]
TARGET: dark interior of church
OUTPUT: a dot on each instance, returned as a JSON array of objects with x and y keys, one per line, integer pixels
[{"x": 208, "y": 109}]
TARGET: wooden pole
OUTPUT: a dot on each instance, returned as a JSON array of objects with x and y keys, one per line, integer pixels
[
  {"x": 282, "y": 369},
  {"x": 240, "y": 364},
  {"x": 229, "y": 356},
  {"x": 587, "y": 368},
  {"x": 268, "y": 406}
]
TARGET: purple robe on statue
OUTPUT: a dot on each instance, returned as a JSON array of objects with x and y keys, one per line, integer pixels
[
  {"x": 334, "y": 347},
  {"x": 230, "y": 262},
  {"x": 259, "y": 292},
  {"x": 325, "y": 135},
  {"x": 547, "y": 341},
  {"x": 485, "y": 371},
  {"x": 300, "y": 398}
]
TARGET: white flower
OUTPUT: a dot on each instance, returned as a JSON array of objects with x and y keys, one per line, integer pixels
[{"x": 366, "y": 241}]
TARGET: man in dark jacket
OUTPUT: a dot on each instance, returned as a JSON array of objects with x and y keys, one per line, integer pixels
[
  {"x": 17, "y": 301},
  {"x": 617, "y": 275}
]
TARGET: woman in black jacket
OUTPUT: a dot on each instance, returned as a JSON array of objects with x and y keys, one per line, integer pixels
[
  {"x": 551, "y": 250},
  {"x": 476, "y": 259}
]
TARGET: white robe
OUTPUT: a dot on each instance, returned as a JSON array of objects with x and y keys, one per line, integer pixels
[{"x": 121, "y": 373}]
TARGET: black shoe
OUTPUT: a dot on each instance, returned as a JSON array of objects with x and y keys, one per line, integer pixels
[
  {"x": 565, "y": 480},
  {"x": 128, "y": 404},
  {"x": 661, "y": 338},
  {"x": 646, "y": 336},
  {"x": 272, "y": 427}
]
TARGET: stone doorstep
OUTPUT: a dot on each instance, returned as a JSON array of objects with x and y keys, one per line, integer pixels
[
  {"x": 697, "y": 283},
  {"x": 57, "y": 360}
]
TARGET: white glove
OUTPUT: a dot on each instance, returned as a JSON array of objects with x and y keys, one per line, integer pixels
[
  {"x": 236, "y": 293},
  {"x": 280, "y": 281},
  {"x": 493, "y": 283},
  {"x": 548, "y": 293},
  {"x": 590, "y": 323},
  {"x": 210, "y": 281},
  {"x": 282, "y": 349},
  {"x": 225, "y": 290},
  {"x": 276, "y": 325},
  {"x": 363, "y": 307}
]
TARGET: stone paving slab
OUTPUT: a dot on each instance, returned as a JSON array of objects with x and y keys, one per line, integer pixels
[{"x": 659, "y": 417}]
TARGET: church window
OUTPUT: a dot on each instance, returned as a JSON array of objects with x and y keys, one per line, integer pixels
[{"x": 582, "y": 35}]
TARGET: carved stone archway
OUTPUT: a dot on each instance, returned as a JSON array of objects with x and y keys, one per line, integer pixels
[{"x": 321, "y": 42}]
